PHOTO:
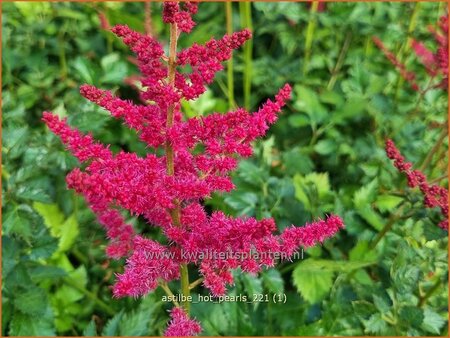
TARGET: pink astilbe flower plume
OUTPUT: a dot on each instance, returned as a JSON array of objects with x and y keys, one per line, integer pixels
[
  {"x": 167, "y": 190},
  {"x": 434, "y": 195},
  {"x": 410, "y": 77},
  {"x": 434, "y": 62},
  {"x": 180, "y": 325}
]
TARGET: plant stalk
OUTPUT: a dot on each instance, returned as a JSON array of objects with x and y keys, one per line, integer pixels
[
  {"x": 387, "y": 227},
  {"x": 230, "y": 79},
  {"x": 433, "y": 151},
  {"x": 407, "y": 45},
  {"x": 246, "y": 21},
  {"x": 148, "y": 18},
  {"x": 310, "y": 35},
  {"x": 423, "y": 299},
  {"x": 175, "y": 212},
  {"x": 340, "y": 61},
  {"x": 91, "y": 296}
]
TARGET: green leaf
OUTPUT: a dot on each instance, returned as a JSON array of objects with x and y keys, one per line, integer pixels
[
  {"x": 112, "y": 326},
  {"x": 313, "y": 285},
  {"x": 135, "y": 324},
  {"x": 70, "y": 232},
  {"x": 243, "y": 202},
  {"x": 331, "y": 97},
  {"x": 90, "y": 330},
  {"x": 84, "y": 70},
  {"x": 52, "y": 215},
  {"x": 361, "y": 251},
  {"x": 313, "y": 277},
  {"x": 273, "y": 281},
  {"x": 67, "y": 231},
  {"x": 387, "y": 202},
  {"x": 363, "y": 309},
  {"x": 411, "y": 315},
  {"x": 26, "y": 325},
  {"x": 363, "y": 198},
  {"x": 375, "y": 324},
  {"x": 432, "y": 321},
  {"x": 43, "y": 246},
  {"x": 299, "y": 120},
  {"x": 253, "y": 284},
  {"x": 312, "y": 188},
  {"x": 114, "y": 69},
  {"x": 381, "y": 303},
  {"x": 31, "y": 302},
  {"x": 325, "y": 147},
  {"x": 308, "y": 101},
  {"x": 39, "y": 273},
  {"x": 366, "y": 194}
]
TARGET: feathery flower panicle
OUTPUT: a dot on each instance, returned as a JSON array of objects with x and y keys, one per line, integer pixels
[
  {"x": 434, "y": 195},
  {"x": 168, "y": 190},
  {"x": 180, "y": 325},
  {"x": 410, "y": 77},
  {"x": 434, "y": 62}
]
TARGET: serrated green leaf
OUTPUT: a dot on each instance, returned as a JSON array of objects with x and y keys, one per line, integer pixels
[
  {"x": 70, "y": 232},
  {"x": 42, "y": 272},
  {"x": 432, "y": 321},
  {"x": 273, "y": 281},
  {"x": 325, "y": 147},
  {"x": 313, "y": 277},
  {"x": 43, "y": 246},
  {"x": 381, "y": 303},
  {"x": 312, "y": 285},
  {"x": 253, "y": 284},
  {"x": 363, "y": 198},
  {"x": 362, "y": 252},
  {"x": 312, "y": 188},
  {"x": 90, "y": 330},
  {"x": 134, "y": 324},
  {"x": 31, "y": 302},
  {"x": 52, "y": 215},
  {"x": 112, "y": 326},
  {"x": 411, "y": 315},
  {"x": 366, "y": 194},
  {"x": 26, "y": 325},
  {"x": 299, "y": 120},
  {"x": 387, "y": 202},
  {"x": 375, "y": 324}
]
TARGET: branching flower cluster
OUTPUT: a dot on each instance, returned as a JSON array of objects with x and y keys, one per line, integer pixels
[
  {"x": 436, "y": 63},
  {"x": 167, "y": 190},
  {"x": 434, "y": 195}
]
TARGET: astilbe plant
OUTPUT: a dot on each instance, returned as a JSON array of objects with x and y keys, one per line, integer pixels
[
  {"x": 435, "y": 63},
  {"x": 434, "y": 196},
  {"x": 168, "y": 190}
]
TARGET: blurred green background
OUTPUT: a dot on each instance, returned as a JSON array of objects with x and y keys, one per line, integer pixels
[{"x": 385, "y": 274}]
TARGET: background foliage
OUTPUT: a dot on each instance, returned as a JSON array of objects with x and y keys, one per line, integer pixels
[{"x": 386, "y": 274}]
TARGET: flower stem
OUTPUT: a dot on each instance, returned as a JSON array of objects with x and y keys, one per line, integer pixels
[
  {"x": 184, "y": 272},
  {"x": 175, "y": 212},
  {"x": 148, "y": 18},
  {"x": 387, "y": 227},
  {"x": 90, "y": 295},
  {"x": 310, "y": 35},
  {"x": 246, "y": 21},
  {"x": 407, "y": 45},
  {"x": 195, "y": 283},
  {"x": 340, "y": 61},
  {"x": 423, "y": 299},
  {"x": 435, "y": 148},
  {"x": 168, "y": 292},
  {"x": 230, "y": 80}
]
